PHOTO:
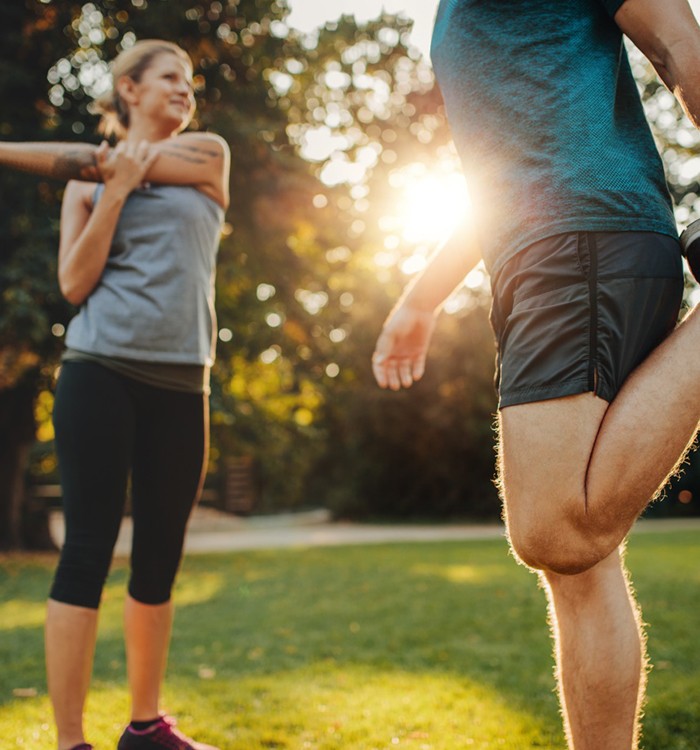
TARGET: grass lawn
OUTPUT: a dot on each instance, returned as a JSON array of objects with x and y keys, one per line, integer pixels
[{"x": 438, "y": 646}]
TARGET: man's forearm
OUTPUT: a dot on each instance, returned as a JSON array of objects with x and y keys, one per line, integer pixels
[
  {"x": 668, "y": 34},
  {"x": 445, "y": 271},
  {"x": 59, "y": 161}
]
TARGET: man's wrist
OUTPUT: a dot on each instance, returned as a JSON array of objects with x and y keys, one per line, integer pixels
[{"x": 418, "y": 302}]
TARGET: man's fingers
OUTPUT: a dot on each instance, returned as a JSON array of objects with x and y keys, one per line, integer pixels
[
  {"x": 418, "y": 368},
  {"x": 393, "y": 373},
  {"x": 379, "y": 372},
  {"x": 406, "y": 373},
  {"x": 380, "y": 358}
]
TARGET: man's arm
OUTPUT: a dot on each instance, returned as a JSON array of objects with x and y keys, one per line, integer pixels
[
  {"x": 402, "y": 347},
  {"x": 445, "y": 270},
  {"x": 668, "y": 34}
]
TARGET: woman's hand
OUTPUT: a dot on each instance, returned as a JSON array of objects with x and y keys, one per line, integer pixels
[
  {"x": 124, "y": 167},
  {"x": 87, "y": 229},
  {"x": 399, "y": 357}
]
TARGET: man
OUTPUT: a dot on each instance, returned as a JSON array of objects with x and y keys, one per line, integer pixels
[{"x": 597, "y": 396}]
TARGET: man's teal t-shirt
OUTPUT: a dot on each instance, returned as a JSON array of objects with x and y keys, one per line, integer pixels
[{"x": 547, "y": 119}]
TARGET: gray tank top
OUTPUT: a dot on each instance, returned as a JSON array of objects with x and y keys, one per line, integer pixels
[{"x": 155, "y": 299}]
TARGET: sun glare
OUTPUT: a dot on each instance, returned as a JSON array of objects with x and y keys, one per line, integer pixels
[
  {"x": 428, "y": 204},
  {"x": 432, "y": 206}
]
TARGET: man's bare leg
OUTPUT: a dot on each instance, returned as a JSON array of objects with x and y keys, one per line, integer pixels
[
  {"x": 600, "y": 657},
  {"x": 576, "y": 472},
  {"x": 597, "y": 638}
]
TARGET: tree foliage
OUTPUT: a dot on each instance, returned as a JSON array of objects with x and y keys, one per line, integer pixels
[
  {"x": 300, "y": 297},
  {"x": 324, "y": 131}
]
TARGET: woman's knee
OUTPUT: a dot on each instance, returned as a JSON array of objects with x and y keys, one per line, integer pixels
[
  {"x": 153, "y": 571},
  {"x": 152, "y": 586},
  {"x": 81, "y": 574}
]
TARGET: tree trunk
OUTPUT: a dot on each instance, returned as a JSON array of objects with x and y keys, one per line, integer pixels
[{"x": 24, "y": 523}]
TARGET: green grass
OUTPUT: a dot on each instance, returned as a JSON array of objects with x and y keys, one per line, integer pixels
[{"x": 425, "y": 646}]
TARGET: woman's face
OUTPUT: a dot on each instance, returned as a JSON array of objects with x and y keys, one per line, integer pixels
[{"x": 164, "y": 92}]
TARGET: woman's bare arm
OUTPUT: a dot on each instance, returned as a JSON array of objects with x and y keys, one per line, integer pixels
[
  {"x": 60, "y": 161},
  {"x": 87, "y": 230},
  {"x": 197, "y": 159}
]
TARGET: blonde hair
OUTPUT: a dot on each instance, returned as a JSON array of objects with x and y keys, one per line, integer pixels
[{"x": 132, "y": 63}]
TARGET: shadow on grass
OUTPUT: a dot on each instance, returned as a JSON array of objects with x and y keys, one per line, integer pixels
[{"x": 374, "y": 632}]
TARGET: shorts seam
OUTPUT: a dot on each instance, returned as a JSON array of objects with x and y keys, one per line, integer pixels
[
  {"x": 591, "y": 247},
  {"x": 628, "y": 277},
  {"x": 553, "y": 390}
]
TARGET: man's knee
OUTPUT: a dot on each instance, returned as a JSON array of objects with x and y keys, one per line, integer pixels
[{"x": 564, "y": 541}]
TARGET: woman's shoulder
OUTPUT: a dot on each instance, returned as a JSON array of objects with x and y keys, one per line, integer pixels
[
  {"x": 206, "y": 146},
  {"x": 205, "y": 139}
]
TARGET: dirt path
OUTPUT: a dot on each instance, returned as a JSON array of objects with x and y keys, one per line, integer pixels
[{"x": 211, "y": 531}]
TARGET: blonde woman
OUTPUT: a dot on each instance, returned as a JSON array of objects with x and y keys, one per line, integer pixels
[{"x": 137, "y": 255}]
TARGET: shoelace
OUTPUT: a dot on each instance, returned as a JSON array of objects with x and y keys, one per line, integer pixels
[{"x": 167, "y": 736}]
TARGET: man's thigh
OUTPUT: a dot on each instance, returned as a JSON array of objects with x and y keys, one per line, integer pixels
[
  {"x": 574, "y": 315},
  {"x": 544, "y": 453}
]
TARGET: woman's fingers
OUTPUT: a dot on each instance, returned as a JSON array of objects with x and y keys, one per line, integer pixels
[
  {"x": 102, "y": 153},
  {"x": 143, "y": 150}
]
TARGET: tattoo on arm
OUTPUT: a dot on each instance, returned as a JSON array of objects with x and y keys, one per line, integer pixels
[
  {"x": 191, "y": 158},
  {"x": 73, "y": 165},
  {"x": 59, "y": 161},
  {"x": 189, "y": 152}
]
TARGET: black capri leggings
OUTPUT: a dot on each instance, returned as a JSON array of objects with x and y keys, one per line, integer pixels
[{"x": 109, "y": 427}]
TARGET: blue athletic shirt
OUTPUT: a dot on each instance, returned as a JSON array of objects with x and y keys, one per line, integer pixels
[{"x": 548, "y": 122}]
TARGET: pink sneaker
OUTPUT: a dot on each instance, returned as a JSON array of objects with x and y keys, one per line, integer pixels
[{"x": 162, "y": 734}]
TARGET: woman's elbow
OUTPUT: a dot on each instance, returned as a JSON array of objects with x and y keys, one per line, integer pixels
[
  {"x": 71, "y": 291},
  {"x": 74, "y": 297}
]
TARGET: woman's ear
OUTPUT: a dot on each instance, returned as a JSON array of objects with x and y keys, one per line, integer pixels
[{"x": 127, "y": 90}]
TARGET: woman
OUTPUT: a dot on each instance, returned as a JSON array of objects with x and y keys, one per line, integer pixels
[{"x": 137, "y": 253}]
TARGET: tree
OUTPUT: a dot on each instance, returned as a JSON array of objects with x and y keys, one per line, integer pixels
[
  {"x": 324, "y": 133},
  {"x": 29, "y": 303},
  {"x": 68, "y": 45}
]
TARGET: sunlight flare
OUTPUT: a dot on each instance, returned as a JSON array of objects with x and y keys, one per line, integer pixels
[{"x": 432, "y": 206}]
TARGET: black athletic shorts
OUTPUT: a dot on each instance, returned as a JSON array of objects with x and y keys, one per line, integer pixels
[{"x": 578, "y": 312}]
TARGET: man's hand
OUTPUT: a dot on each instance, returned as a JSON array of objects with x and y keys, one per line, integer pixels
[{"x": 399, "y": 357}]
